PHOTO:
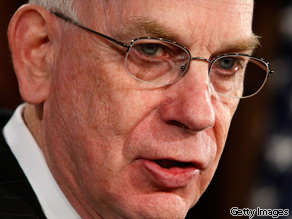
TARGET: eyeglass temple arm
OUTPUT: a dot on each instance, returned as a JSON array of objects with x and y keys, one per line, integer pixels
[
  {"x": 65, "y": 18},
  {"x": 271, "y": 72}
]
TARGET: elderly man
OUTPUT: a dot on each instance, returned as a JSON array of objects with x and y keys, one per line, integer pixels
[{"x": 128, "y": 104}]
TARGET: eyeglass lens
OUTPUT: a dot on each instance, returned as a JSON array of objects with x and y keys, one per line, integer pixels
[
  {"x": 156, "y": 61},
  {"x": 161, "y": 63},
  {"x": 237, "y": 75}
]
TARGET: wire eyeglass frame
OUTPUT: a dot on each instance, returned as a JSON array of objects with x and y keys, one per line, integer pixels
[{"x": 190, "y": 58}]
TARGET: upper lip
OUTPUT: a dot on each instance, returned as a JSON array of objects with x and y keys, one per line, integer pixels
[{"x": 197, "y": 151}]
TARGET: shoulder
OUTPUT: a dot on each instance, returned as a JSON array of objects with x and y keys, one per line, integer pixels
[
  {"x": 5, "y": 115},
  {"x": 17, "y": 199}
]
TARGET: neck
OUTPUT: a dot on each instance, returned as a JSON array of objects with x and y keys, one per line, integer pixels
[{"x": 33, "y": 117}]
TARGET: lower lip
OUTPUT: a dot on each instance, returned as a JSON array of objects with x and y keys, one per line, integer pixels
[{"x": 172, "y": 178}]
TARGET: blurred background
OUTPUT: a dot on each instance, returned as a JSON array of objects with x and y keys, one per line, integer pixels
[{"x": 256, "y": 167}]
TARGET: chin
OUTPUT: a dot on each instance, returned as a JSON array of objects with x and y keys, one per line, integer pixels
[{"x": 159, "y": 205}]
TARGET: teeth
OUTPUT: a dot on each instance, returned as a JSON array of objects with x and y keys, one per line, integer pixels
[{"x": 171, "y": 163}]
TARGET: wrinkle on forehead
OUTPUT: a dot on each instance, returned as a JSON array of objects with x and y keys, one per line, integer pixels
[
  {"x": 180, "y": 21},
  {"x": 124, "y": 7},
  {"x": 211, "y": 5}
]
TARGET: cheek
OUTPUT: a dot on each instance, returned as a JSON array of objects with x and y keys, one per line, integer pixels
[
  {"x": 93, "y": 102},
  {"x": 224, "y": 111}
]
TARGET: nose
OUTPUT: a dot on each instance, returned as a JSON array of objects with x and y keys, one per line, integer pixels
[{"x": 189, "y": 104}]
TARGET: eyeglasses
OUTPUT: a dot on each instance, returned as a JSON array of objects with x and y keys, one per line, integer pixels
[{"x": 161, "y": 62}]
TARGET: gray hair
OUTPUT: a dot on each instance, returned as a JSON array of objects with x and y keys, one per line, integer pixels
[{"x": 66, "y": 7}]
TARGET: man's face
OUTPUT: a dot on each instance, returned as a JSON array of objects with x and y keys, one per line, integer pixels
[{"x": 120, "y": 149}]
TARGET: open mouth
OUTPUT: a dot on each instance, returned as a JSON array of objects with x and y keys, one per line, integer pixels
[
  {"x": 170, "y": 174},
  {"x": 168, "y": 164}
]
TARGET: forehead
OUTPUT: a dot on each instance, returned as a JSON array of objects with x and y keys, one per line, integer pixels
[{"x": 186, "y": 21}]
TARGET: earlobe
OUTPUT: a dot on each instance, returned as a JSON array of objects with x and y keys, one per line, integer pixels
[{"x": 31, "y": 38}]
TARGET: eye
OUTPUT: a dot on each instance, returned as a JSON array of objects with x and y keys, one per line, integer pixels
[
  {"x": 151, "y": 49},
  {"x": 227, "y": 63},
  {"x": 228, "y": 66}
]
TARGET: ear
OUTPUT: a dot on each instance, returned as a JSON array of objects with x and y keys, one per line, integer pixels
[{"x": 31, "y": 34}]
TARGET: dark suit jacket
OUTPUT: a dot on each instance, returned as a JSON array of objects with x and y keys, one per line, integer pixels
[{"x": 17, "y": 199}]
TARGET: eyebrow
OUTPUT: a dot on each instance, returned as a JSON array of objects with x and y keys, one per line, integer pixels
[
  {"x": 152, "y": 28},
  {"x": 249, "y": 44},
  {"x": 148, "y": 26}
]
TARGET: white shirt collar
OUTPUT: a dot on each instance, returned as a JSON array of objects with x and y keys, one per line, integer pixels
[{"x": 31, "y": 159}]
